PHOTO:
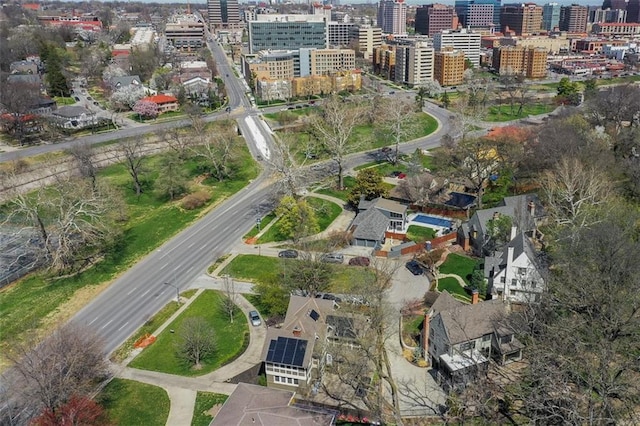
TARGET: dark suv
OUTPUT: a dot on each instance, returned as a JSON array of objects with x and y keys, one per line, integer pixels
[
  {"x": 414, "y": 267},
  {"x": 289, "y": 254}
]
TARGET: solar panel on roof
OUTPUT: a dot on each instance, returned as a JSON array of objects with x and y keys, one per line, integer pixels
[
  {"x": 286, "y": 350},
  {"x": 314, "y": 315},
  {"x": 299, "y": 354}
]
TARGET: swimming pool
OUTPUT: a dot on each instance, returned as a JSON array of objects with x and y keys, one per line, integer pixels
[{"x": 432, "y": 220}]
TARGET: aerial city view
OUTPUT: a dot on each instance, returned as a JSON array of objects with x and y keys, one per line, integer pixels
[{"x": 319, "y": 213}]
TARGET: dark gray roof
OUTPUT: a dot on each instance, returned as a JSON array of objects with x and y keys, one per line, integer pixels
[
  {"x": 481, "y": 217},
  {"x": 444, "y": 302},
  {"x": 72, "y": 111},
  {"x": 254, "y": 405},
  {"x": 24, "y": 78},
  {"x": 125, "y": 80},
  {"x": 468, "y": 322},
  {"x": 370, "y": 225}
]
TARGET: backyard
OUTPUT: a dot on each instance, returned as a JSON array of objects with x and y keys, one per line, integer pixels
[
  {"x": 205, "y": 401},
  {"x": 231, "y": 339},
  {"x": 130, "y": 403},
  {"x": 461, "y": 266}
]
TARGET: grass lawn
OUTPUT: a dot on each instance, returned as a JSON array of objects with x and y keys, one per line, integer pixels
[
  {"x": 127, "y": 402},
  {"x": 462, "y": 266},
  {"x": 26, "y": 304},
  {"x": 452, "y": 286},
  {"x": 263, "y": 222},
  {"x": 60, "y": 100},
  {"x": 231, "y": 339},
  {"x": 349, "y": 182},
  {"x": 326, "y": 212},
  {"x": 420, "y": 234},
  {"x": 503, "y": 112},
  {"x": 204, "y": 402},
  {"x": 411, "y": 328},
  {"x": 385, "y": 168},
  {"x": 254, "y": 268}
]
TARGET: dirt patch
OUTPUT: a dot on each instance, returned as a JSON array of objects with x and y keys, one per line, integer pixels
[{"x": 213, "y": 411}]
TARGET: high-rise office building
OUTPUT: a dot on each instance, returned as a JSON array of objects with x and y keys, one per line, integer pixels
[
  {"x": 414, "y": 63},
  {"x": 367, "y": 38},
  {"x": 633, "y": 11},
  {"x": 574, "y": 18},
  {"x": 614, "y": 4},
  {"x": 523, "y": 18},
  {"x": 433, "y": 18},
  {"x": 223, "y": 14},
  {"x": 339, "y": 33},
  {"x": 464, "y": 40},
  {"x": 608, "y": 16},
  {"x": 550, "y": 16},
  {"x": 448, "y": 67},
  {"x": 478, "y": 13},
  {"x": 392, "y": 17},
  {"x": 281, "y": 32}
]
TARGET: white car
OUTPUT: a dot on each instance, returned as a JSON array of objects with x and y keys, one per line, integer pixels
[{"x": 255, "y": 318}]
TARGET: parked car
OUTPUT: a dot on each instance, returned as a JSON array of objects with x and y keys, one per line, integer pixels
[
  {"x": 359, "y": 261},
  {"x": 329, "y": 296},
  {"x": 333, "y": 258},
  {"x": 89, "y": 98},
  {"x": 255, "y": 318},
  {"x": 414, "y": 267},
  {"x": 76, "y": 98},
  {"x": 289, "y": 254}
]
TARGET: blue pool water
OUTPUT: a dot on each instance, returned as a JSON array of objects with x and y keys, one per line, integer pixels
[{"x": 432, "y": 220}]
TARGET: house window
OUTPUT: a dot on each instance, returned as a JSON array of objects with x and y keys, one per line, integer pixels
[
  {"x": 522, "y": 271},
  {"x": 514, "y": 282},
  {"x": 486, "y": 337},
  {"x": 503, "y": 279},
  {"x": 506, "y": 339},
  {"x": 533, "y": 284}
]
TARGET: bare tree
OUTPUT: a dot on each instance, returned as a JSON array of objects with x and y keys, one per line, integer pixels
[
  {"x": 71, "y": 362},
  {"x": 309, "y": 275},
  {"x": 218, "y": 148},
  {"x": 334, "y": 126},
  {"x": 418, "y": 188},
  {"x": 84, "y": 157},
  {"x": 284, "y": 164},
  {"x": 18, "y": 100},
  {"x": 196, "y": 341},
  {"x": 573, "y": 190},
  {"x": 398, "y": 118},
  {"x": 177, "y": 140},
  {"x": 229, "y": 301},
  {"x": 616, "y": 107},
  {"x": 131, "y": 152}
]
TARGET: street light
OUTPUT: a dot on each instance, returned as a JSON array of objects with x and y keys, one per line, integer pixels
[{"x": 177, "y": 291}]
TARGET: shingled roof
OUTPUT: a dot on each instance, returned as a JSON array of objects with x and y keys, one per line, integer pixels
[{"x": 469, "y": 322}]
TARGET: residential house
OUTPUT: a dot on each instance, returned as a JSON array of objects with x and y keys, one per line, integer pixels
[
  {"x": 375, "y": 219},
  {"x": 74, "y": 117},
  {"x": 117, "y": 83},
  {"x": 23, "y": 67},
  {"x": 254, "y": 405},
  {"x": 525, "y": 210},
  {"x": 26, "y": 79},
  {"x": 514, "y": 273},
  {"x": 165, "y": 103},
  {"x": 197, "y": 88},
  {"x": 295, "y": 349},
  {"x": 463, "y": 338}
]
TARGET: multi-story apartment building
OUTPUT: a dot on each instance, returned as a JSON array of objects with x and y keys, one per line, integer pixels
[
  {"x": 185, "y": 32},
  {"x": 223, "y": 14},
  {"x": 339, "y": 33},
  {"x": 282, "y": 32},
  {"x": 631, "y": 29},
  {"x": 326, "y": 61},
  {"x": 574, "y": 18},
  {"x": 550, "y": 44},
  {"x": 478, "y": 13},
  {"x": 551, "y": 16},
  {"x": 392, "y": 17},
  {"x": 617, "y": 16},
  {"x": 448, "y": 68},
  {"x": 524, "y": 19},
  {"x": 384, "y": 61},
  {"x": 529, "y": 62},
  {"x": 366, "y": 38},
  {"x": 433, "y": 18},
  {"x": 414, "y": 63},
  {"x": 464, "y": 40}
]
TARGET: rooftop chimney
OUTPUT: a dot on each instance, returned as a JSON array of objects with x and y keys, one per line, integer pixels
[
  {"x": 297, "y": 332},
  {"x": 496, "y": 215},
  {"x": 531, "y": 206},
  {"x": 474, "y": 296},
  {"x": 514, "y": 232}
]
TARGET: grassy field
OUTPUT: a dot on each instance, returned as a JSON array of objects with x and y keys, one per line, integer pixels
[
  {"x": 263, "y": 223},
  {"x": 420, "y": 234},
  {"x": 385, "y": 167},
  {"x": 349, "y": 182},
  {"x": 503, "y": 112},
  {"x": 60, "y": 100},
  {"x": 130, "y": 403},
  {"x": 460, "y": 265},
  {"x": 326, "y": 212},
  {"x": 452, "y": 286},
  {"x": 39, "y": 302},
  {"x": 204, "y": 402},
  {"x": 231, "y": 339},
  {"x": 254, "y": 268}
]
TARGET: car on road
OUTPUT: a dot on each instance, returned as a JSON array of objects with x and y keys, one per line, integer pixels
[
  {"x": 76, "y": 98},
  {"x": 359, "y": 261},
  {"x": 332, "y": 258},
  {"x": 96, "y": 103},
  {"x": 89, "y": 98},
  {"x": 289, "y": 254},
  {"x": 414, "y": 267},
  {"x": 255, "y": 318}
]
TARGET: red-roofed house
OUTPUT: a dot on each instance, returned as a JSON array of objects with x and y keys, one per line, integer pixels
[
  {"x": 165, "y": 102},
  {"x": 31, "y": 6}
]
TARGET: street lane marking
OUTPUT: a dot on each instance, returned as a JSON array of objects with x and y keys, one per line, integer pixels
[
  {"x": 143, "y": 294},
  {"x": 110, "y": 321},
  {"x": 123, "y": 325},
  {"x": 94, "y": 320},
  {"x": 132, "y": 290}
]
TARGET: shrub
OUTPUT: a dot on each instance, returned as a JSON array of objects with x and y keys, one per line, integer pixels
[{"x": 195, "y": 200}]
